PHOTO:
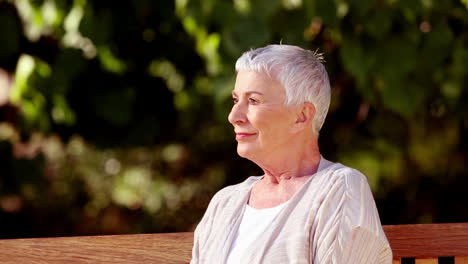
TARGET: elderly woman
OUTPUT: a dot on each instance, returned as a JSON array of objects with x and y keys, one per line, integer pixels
[{"x": 304, "y": 208}]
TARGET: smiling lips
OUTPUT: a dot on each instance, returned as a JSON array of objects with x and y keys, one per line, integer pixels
[{"x": 240, "y": 136}]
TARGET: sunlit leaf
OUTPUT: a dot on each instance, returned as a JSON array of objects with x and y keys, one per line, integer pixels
[
  {"x": 166, "y": 70},
  {"x": 465, "y": 2}
]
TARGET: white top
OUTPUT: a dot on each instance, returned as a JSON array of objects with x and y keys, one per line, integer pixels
[
  {"x": 331, "y": 219},
  {"x": 254, "y": 223}
]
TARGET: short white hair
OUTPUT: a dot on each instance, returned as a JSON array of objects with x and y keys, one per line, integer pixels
[{"x": 300, "y": 71}]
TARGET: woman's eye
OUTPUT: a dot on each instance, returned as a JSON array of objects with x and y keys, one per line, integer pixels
[
  {"x": 235, "y": 100},
  {"x": 253, "y": 100}
]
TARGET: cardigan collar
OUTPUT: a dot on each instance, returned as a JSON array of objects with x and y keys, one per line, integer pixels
[{"x": 234, "y": 214}]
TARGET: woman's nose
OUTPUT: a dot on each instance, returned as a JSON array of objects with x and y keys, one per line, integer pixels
[{"x": 237, "y": 114}]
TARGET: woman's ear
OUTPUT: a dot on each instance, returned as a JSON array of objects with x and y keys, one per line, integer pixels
[
  {"x": 306, "y": 113},
  {"x": 305, "y": 116}
]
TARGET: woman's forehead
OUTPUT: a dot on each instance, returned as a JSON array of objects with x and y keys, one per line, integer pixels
[{"x": 256, "y": 82}]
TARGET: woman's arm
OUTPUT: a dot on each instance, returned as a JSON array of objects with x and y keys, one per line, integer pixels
[{"x": 349, "y": 228}]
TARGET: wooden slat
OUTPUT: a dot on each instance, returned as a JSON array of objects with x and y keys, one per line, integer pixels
[
  {"x": 133, "y": 249},
  {"x": 427, "y": 261},
  {"x": 420, "y": 241},
  {"x": 428, "y": 240},
  {"x": 461, "y": 260}
]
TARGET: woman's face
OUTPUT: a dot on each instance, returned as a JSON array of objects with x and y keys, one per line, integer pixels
[{"x": 261, "y": 121}]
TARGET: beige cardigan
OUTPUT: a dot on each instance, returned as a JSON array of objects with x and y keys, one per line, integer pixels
[{"x": 331, "y": 219}]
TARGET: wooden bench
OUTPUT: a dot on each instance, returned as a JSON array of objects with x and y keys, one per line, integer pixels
[
  {"x": 423, "y": 243},
  {"x": 427, "y": 242}
]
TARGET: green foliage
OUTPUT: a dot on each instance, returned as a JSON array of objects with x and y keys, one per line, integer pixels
[{"x": 118, "y": 111}]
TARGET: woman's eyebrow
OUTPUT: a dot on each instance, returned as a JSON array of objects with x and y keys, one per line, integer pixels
[{"x": 248, "y": 93}]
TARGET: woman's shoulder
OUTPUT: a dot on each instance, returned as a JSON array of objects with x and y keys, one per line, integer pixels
[
  {"x": 347, "y": 175},
  {"x": 352, "y": 191},
  {"x": 345, "y": 181}
]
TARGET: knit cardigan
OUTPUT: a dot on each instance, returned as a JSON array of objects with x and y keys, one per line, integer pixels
[{"x": 332, "y": 218}]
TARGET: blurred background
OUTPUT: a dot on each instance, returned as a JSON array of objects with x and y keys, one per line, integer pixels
[{"x": 113, "y": 114}]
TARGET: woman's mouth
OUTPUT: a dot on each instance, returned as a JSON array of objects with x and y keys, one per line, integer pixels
[{"x": 241, "y": 136}]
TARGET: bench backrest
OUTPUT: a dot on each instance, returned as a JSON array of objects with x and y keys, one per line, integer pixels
[
  {"x": 129, "y": 249},
  {"x": 425, "y": 243}
]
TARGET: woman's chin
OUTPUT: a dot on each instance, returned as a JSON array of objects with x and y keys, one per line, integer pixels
[{"x": 245, "y": 151}]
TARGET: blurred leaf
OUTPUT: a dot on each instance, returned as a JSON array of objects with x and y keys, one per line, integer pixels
[
  {"x": 32, "y": 73},
  {"x": 411, "y": 10},
  {"x": 465, "y": 2},
  {"x": 97, "y": 27},
  {"x": 405, "y": 100},
  {"x": 355, "y": 58},
  {"x": 327, "y": 11},
  {"x": 239, "y": 38},
  {"x": 361, "y": 8},
  {"x": 437, "y": 45},
  {"x": 166, "y": 70},
  {"x": 379, "y": 23},
  {"x": 206, "y": 44},
  {"x": 395, "y": 52},
  {"x": 61, "y": 111},
  {"x": 294, "y": 30},
  {"x": 429, "y": 147},
  {"x": 265, "y": 9},
  {"x": 109, "y": 61}
]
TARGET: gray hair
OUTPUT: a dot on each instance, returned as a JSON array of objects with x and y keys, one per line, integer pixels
[{"x": 300, "y": 71}]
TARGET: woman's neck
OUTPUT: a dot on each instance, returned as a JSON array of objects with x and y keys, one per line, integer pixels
[
  {"x": 291, "y": 165},
  {"x": 283, "y": 179}
]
